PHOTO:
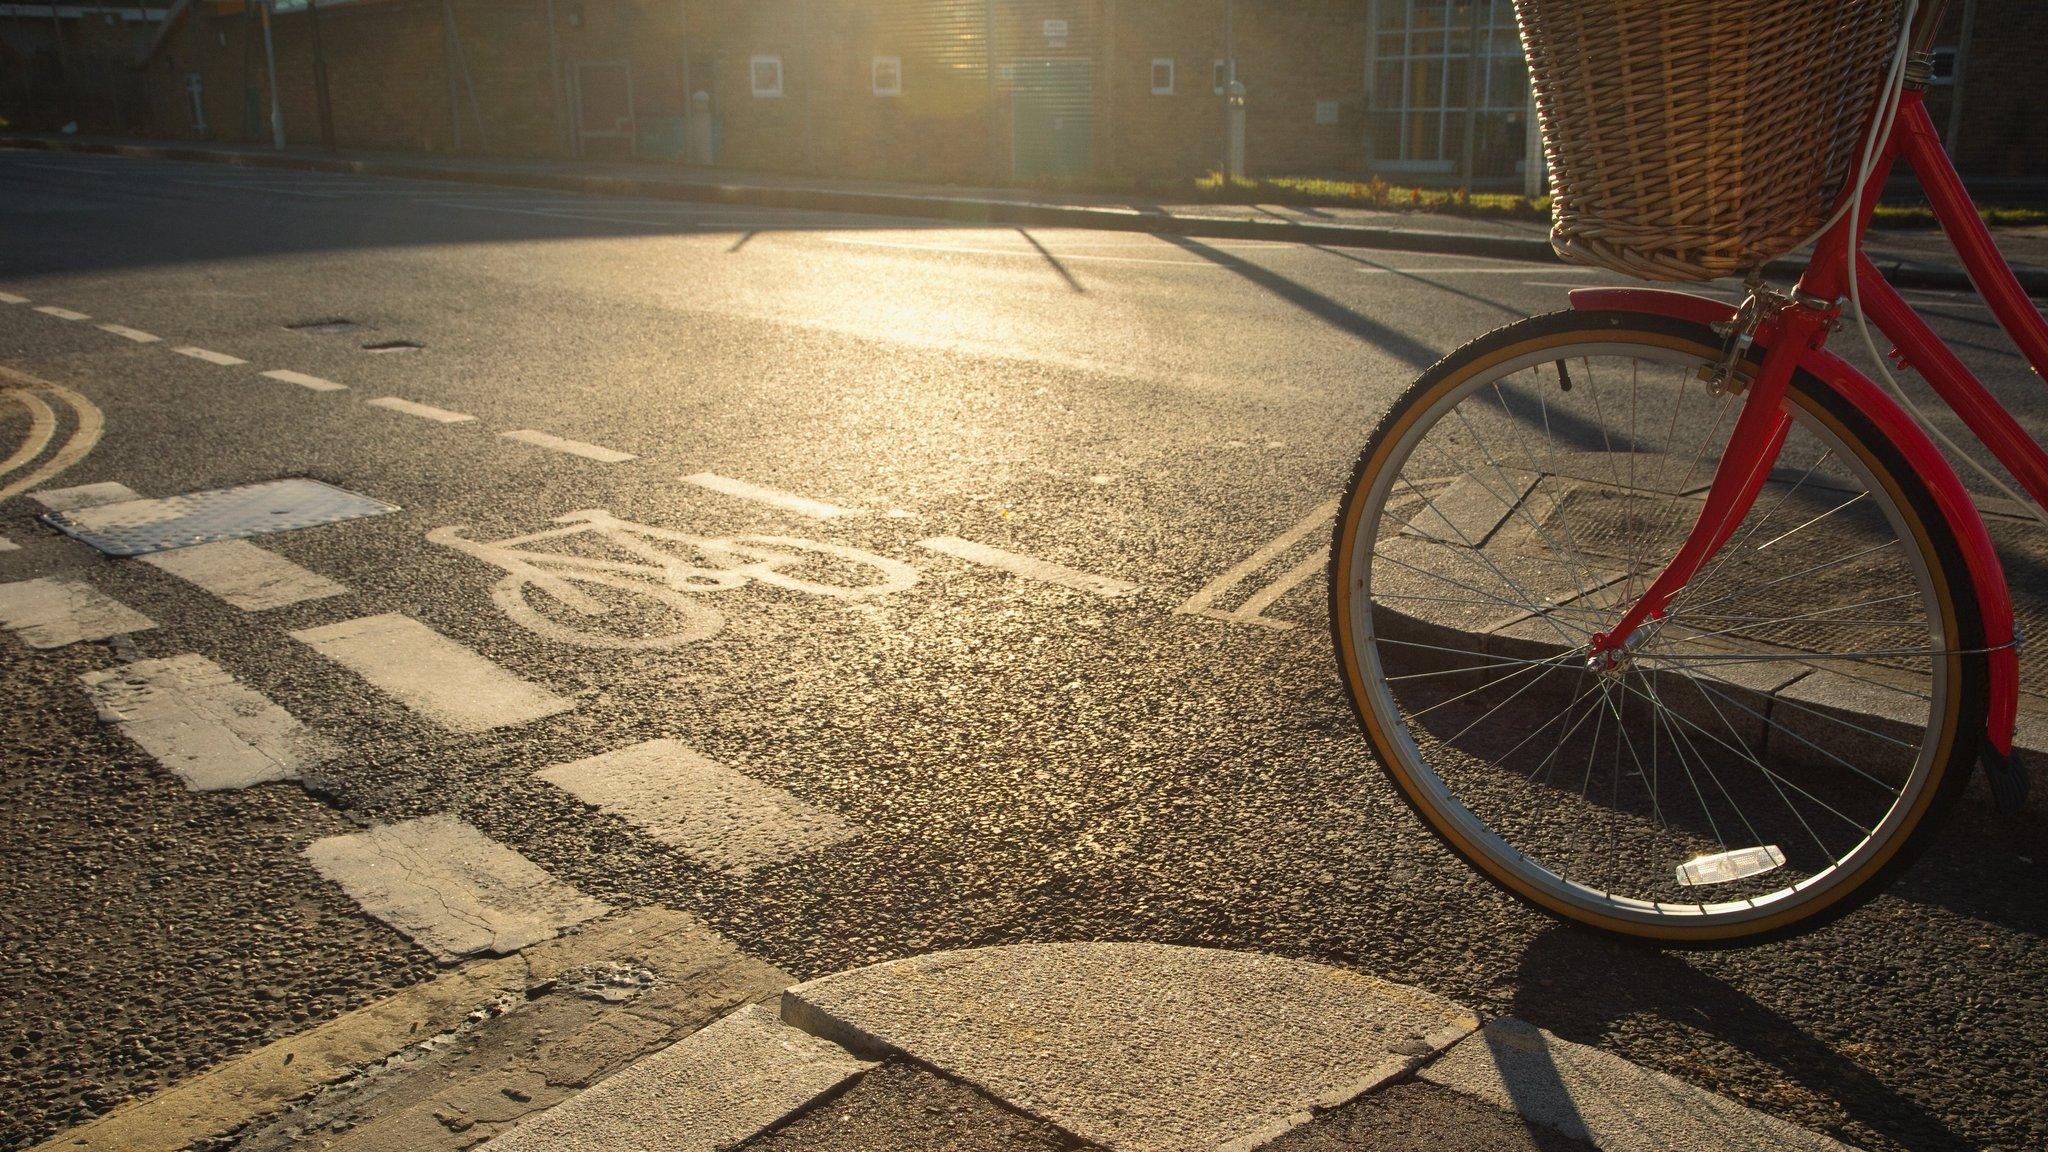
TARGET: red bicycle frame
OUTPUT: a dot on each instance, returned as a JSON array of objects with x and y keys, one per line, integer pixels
[{"x": 1795, "y": 337}]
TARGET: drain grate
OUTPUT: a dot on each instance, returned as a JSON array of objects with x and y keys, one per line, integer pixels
[
  {"x": 393, "y": 346},
  {"x": 140, "y": 527},
  {"x": 332, "y": 326}
]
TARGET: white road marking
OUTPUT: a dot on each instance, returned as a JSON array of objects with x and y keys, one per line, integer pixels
[
  {"x": 304, "y": 381},
  {"x": 1028, "y": 567},
  {"x": 11, "y": 298},
  {"x": 543, "y": 589},
  {"x": 244, "y": 575},
  {"x": 572, "y": 447},
  {"x": 423, "y": 411},
  {"x": 1031, "y": 253},
  {"x": 722, "y": 818},
  {"x": 7, "y": 545},
  {"x": 247, "y": 186},
  {"x": 62, "y": 313},
  {"x": 450, "y": 888},
  {"x": 50, "y": 613},
  {"x": 210, "y": 356},
  {"x": 204, "y": 725},
  {"x": 787, "y": 501},
  {"x": 1203, "y": 603},
  {"x": 431, "y": 674},
  {"x": 135, "y": 334},
  {"x": 84, "y": 496},
  {"x": 1519, "y": 270}
]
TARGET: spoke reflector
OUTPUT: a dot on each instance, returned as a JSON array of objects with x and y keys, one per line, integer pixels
[{"x": 1735, "y": 864}]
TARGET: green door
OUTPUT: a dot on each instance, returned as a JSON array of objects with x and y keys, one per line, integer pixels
[{"x": 1052, "y": 118}]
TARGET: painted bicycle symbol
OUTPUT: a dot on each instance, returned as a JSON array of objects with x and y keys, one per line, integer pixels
[{"x": 627, "y": 585}]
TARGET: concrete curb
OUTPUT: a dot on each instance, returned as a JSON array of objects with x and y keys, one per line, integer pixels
[
  {"x": 1137, "y": 1048},
  {"x": 953, "y": 209}
]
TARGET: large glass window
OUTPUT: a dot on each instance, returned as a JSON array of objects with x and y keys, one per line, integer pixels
[{"x": 1431, "y": 62}]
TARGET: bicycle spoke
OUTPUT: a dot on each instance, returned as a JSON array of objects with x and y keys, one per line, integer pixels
[{"x": 1525, "y": 495}]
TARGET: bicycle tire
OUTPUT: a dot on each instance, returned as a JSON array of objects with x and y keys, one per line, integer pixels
[{"x": 1954, "y": 734}]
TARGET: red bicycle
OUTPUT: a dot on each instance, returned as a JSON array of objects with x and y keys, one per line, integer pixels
[{"x": 1664, "y": 617}]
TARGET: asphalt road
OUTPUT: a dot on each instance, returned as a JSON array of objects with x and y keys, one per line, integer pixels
[{"x": 1013, "y": 758}]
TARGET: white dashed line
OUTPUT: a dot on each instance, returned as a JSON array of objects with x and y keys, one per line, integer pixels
[
  {"x": 305, "y": 381},
  {"x": 7, "y": 545},
  {"x": 1028, "y": 253},
  {"x": 61, "y": 313},
  {"x": 1494, "y": 271},
  {"x": 84, "y": 496},
  {"x": 135, "y": 334},
  {"x": 423, "y": 411},
  {"x": 11, "y": 298},
  {"x": 431, "y": 674},
  {"x": 244, "y": 575},
  {"x": 450, "y": 888},
  {"x": 210, "y": 356},
  {"x": 722, "y": 818},
  {"x": 1028, "y": 567},
  {"x": 787, "y": 501},
  {"x": 202, "y": 724},
  {"x": 572, "y": 447},
  {"x": 50, "y": 613}
]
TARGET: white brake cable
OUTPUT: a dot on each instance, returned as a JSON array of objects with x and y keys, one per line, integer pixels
[{"x": 1888, "y": 113}]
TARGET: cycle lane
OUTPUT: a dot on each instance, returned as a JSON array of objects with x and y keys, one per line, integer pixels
[{"x": 1200, "y": 806}]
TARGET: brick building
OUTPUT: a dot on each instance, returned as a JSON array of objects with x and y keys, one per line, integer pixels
[{"x": 975, "y": 91}]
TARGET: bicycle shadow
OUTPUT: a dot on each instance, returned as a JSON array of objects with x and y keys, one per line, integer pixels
[{"x": 1579, "y": 986}]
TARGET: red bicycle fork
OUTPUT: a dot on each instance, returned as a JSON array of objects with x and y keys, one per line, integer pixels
[
  {"x": 1753, "y": 447},
  {"x": 1795, "y": 336}
]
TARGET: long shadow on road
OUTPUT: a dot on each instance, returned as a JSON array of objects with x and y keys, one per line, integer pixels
[{"x": 1581, "y": 985}]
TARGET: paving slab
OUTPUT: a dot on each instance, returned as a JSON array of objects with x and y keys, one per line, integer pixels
[
  {"x": 378, "y": 1069},
  {"x": 1466, "y": 513},
  {"x": 202, "y": 724},
  {"x": 1415, "y": 1116},
  {"x": 1139, "y": 1046},
  {"x": 1604, "y": 1100},
  {"x": 709, "y": 1091},
  {"x": 901, "y": 1107},
  {"x": 720, "y": 817},
  {"x": 453, "y": 890}
]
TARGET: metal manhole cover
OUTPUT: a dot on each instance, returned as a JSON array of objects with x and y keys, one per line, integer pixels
[{"x": 139, "y": 527}]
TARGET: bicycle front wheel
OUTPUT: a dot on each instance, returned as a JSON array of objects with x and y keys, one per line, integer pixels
[{"x": 1769, "y": 750}]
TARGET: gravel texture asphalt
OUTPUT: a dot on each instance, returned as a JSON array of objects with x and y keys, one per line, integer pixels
[{"x": 1022, "y": 761}]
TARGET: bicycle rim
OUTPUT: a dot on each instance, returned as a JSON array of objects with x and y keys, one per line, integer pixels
[{"x": 1768, "y": 746}]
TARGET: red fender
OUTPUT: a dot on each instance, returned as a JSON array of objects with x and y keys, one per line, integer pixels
[{"x": 1994, "y": 599}]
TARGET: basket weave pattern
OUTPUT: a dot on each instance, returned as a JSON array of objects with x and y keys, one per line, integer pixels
[{"x": 1694, "y": 139}]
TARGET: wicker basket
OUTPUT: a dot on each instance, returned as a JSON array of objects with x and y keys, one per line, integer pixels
[{"x": 1693, "y": 139}]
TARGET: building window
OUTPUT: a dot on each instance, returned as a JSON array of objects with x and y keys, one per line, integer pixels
[
  {"x": 1162, "y": 76},
  {"x": 1437, "y": 66},
  {"x": 1941, "y": 70},
  {"x": 886, "y": 74},
  {"x": 767, "y": 74}
]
